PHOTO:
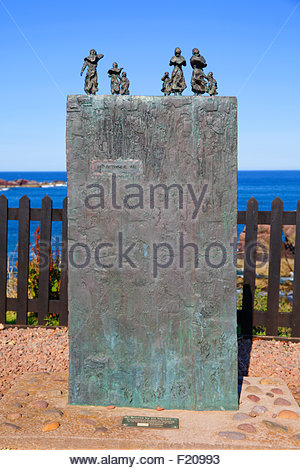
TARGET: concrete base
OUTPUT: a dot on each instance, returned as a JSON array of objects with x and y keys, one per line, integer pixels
[{"x": 91, "y": 427}]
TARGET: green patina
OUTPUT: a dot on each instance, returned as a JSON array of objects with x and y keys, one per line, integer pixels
[{"x": 137, "y": 339}]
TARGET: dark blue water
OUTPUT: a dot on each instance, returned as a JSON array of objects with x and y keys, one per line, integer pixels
[
  {"x": 263, "y": 185},
  {"x": 35, "y": 195}
]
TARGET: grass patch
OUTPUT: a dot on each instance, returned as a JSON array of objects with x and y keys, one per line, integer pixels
[{"x": 260, "y": 304}]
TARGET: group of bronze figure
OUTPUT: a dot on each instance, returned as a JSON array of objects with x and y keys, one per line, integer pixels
[
  {"x": 200, "y": 82},
  {"x": 119, "y": 84}
]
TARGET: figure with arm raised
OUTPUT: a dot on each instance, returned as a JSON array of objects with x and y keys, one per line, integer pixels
[{"x": 91, "y": 79}]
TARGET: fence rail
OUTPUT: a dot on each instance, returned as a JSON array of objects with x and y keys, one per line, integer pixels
[{"x": 247, "y": 316}]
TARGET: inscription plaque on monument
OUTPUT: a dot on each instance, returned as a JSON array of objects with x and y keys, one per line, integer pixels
[
  {"x": 152, "y": 204},
  {"x": 150, "y": 422}
]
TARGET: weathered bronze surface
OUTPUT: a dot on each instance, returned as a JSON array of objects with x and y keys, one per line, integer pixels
[
  {"x": 91, "y": 80},
  {"x": 212, "y": 84},
  {"x": 114, "y": 74},
  {"x": 143, "y": 331},
  {"x": 177, "y": 81},
  {"x": 124, "y": 89},
  {"x": 150, "y": 422},
  {"x": 198, "y": 80},
  {"x": 167, "y": 84}
]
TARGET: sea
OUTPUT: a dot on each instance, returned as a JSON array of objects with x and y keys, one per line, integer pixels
[{"x": 265, "y": 186}]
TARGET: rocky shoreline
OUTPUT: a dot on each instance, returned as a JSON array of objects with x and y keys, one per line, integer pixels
[{"x": 29, "y": 183}]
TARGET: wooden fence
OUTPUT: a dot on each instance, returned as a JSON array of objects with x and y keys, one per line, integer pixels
[
  {"x": 272, "y": 318},
  {"x": 22, "y": 304},
  {"x": 247, "y": 317}
]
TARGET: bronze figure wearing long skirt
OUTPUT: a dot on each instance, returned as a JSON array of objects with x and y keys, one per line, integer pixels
[
  {"x": 212, "y": 85},
  {"x": 91, "y": 79},
  {"x": 178, "y": 83},
  {"x": 124, "y": 84},
  {"x": 198, "y": 80},
  {"x": 114, "y": 74},
  {"x": 167, "y": 84}
]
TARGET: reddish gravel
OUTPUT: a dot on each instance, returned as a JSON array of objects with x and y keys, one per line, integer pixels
[
  {"x": 30, "y": 350},
  {"x": 41, "y": 349},
  {"x": 271, "y": 358}
]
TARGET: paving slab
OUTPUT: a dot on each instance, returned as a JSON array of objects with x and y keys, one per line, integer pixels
[{"x": 35, "y": 414}]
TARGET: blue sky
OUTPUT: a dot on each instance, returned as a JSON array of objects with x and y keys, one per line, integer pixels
[{"x": 251, "y": 46}]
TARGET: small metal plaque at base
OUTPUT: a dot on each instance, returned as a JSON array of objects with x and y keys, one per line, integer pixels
[{"x": 150, "y": 422}]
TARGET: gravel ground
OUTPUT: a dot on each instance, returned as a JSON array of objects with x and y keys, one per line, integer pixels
[{"x": 41, "y": 349}]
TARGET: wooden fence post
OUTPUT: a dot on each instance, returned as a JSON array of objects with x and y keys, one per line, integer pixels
[
  {"x": 44, "y": 266},
  {"x": 3, "y": 257},
  {"x": 23, "y": 260},
  {"x": 274, "y": 268},
  {"x": 63, "y": 317},
  {"x": 296, "y": 287},
  {"x": 249, "y": 266}
]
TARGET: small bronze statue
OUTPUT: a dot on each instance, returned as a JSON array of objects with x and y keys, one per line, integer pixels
[
  {"x": 124, "y": 90},
  {"x": 212, "y": 84},
  {"x": 167, "y": 84},
  {"x": 91, "y": 81},
  {"x": 178, "y": 83},
  {"x": 198, "y": 80},
  {"x": 114, "y": 74}
]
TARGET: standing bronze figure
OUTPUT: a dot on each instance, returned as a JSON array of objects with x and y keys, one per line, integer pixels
[
  {"x": 198, "y": 80},
  {"x": 114, "y": 74},
  {"x": 167, "y": 84},
  {"x": 124, "y": 90},
  {"x": 178, "y": 83},
  {"x": 91, "y": 80},
  {"x": 212, "y": 85}
]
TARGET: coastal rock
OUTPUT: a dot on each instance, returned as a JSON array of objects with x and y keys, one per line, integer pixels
[
  {"x": 288, "y": 414},
  {"x": 12, "y": 426},
  {"x": 41, "y": 404},
  {"x": 254, "y": 389},
  {"x": 270, "y": 381},
  {"x": 276, "y": 426},
  {"x": 54, "y": 393},
  {"x": 277, "y": 391},
  {"x": 246, "y": 427},
  {"x": 100, "y": 429},
  {"x": 240, "y": 416},
  {"x": 21, "y": 394},
  {"x": 282, "y": 402},
  {"x": 53, "y": 411},
  {"x": 259, "y": 410},
  {"x": 50, "y": 426},
  {"x": 254, "y": 398}
]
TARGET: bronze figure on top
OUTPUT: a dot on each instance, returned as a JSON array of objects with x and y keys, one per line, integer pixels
[
  {"x": 177, "y": 81},
  {"x": 198, "y": 80},
  {"x": 124, "y": 89},
  {"x": 167, "y": 84},
  {"x": 114, "y": 74},
  {"x": 212, "y": 85},
  {"x": 91, "y": 80}
]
